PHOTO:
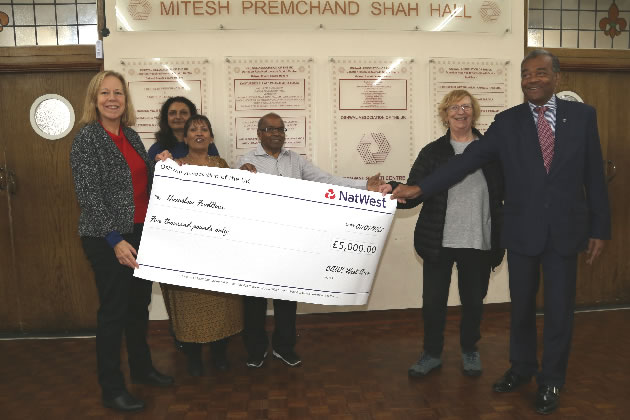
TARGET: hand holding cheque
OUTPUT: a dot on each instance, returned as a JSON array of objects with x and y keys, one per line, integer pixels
[
  {"x": 402, "y": 192},
  {"x": 301, "y": 240}
]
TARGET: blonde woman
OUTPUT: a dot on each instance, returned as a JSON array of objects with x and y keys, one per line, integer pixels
[{"x": 112, "y": 176}]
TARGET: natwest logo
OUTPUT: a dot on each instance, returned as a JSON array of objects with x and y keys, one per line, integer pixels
[
  {"x": 330, "y": 194},
  {"x": 364, "y": 199}
]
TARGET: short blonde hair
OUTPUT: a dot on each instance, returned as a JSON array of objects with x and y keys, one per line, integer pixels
[
  {"x": 90, "y": 109},
  {"x": 456, "y": 96}
]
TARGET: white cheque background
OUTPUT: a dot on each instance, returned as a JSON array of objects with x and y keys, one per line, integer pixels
[{"x": 233, "y": 231}]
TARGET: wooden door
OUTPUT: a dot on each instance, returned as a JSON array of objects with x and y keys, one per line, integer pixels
[
  {"x": 607, "y": 281},
  {"x": 46, "y": 284},
  {"x": 602, "y": 79}
]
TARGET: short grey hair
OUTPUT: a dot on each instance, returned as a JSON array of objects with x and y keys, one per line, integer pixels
[{"x": 555, "y": 63}]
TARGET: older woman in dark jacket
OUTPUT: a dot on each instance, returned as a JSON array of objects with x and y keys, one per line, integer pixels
[
  {"x": 112, "y": 175},
  {"x": 462, "y": 226}
]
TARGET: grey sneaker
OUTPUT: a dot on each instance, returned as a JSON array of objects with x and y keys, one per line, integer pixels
[
  {"x": 471, "y": 363},
  {"x": 424, "y": 365},
  {"x": 290, "y": 357},
  {"x": 256, "y": 361}
]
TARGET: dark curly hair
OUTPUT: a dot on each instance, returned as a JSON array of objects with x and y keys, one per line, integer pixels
[{"x": 165, "y": 136}]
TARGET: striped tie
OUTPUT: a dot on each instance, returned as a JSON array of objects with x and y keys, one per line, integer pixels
[{"x": 545, "y": 136}]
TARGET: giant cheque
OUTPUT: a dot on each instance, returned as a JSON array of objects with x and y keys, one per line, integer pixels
[{"x": 262, "y": 235}]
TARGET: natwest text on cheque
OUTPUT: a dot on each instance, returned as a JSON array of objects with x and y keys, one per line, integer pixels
[{"x": 362, "y": 199}]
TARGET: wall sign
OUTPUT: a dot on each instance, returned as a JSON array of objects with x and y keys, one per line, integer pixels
[
  {"x": 259, "y": 85},
  {"x": 485, "y": 79},
  {"x": 488, "y": 16},
  {"x": 372, "y": 116}
]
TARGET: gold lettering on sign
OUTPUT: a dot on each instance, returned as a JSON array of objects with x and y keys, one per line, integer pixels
[
  {"x": 447, "y": 9},
  {"x": 299, "y": 7},
  {"x": 394, "y": 9},
  {"x": 309, "y": 7},
  {"x": 197, "y": 8}
]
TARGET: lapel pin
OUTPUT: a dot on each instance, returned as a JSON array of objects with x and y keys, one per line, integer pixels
[{"x": 564, "y": 120}]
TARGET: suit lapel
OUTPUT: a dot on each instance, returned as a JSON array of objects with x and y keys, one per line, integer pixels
[
  {"x": 560, "y": 138},
  {"x": 528, "y": 126}
]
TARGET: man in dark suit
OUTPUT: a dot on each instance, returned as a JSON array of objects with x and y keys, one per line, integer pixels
[{"x": 556, "y": 205}]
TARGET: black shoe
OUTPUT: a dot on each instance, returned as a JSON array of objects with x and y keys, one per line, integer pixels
[
  {"x": 547, "y": 399},
  {"x": 220, "y": 363},
  {"x": 289, "y": 357},
  {"x": 218, "y": 350},
  {"x": 154, "y": 378},
  {"x": 195, "y": 366},
  {"x": 193, "y": 358},
  {"x": 256, "y": 361},
  {"x": 124, "y": 402},
  {"x": 510, "y": 381}
]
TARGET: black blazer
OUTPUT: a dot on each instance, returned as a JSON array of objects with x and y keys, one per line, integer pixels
[
  {"x": 429, "y": 231},
  {"x": 569, "y": 205}
]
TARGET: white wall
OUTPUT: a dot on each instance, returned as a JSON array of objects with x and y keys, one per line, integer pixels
[{"x": 398, "y": 281}]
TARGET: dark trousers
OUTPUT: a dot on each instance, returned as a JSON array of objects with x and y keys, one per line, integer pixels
[
  {"x": 473, "y": 268},
  {"x": 254, "y": 334},
  {"x": 559, "y": 273},
  {"x": 124, "y": 301},
  {"x": 218, "y": 348}
]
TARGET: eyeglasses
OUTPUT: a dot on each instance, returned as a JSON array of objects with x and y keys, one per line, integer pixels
[
  {"x": 464, "y": 107},
  {"x": 273, "y": 129}
]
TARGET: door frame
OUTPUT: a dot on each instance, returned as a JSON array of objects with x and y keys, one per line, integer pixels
[
  {"x": 49, "y": 58},
  {"x": 575, "y": 59}
]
